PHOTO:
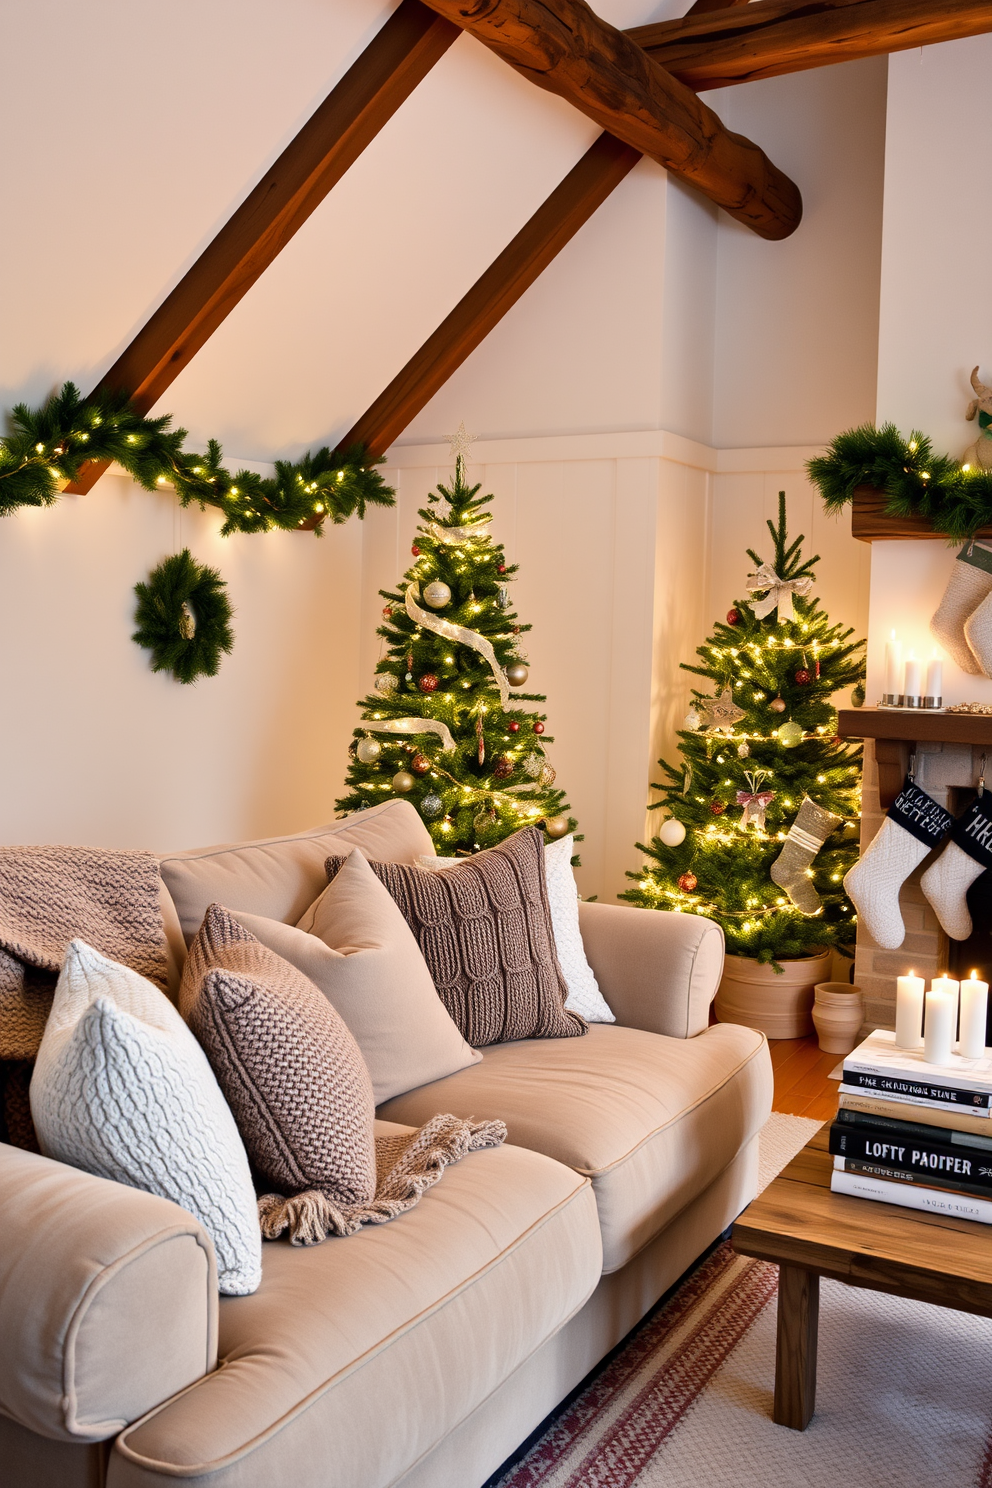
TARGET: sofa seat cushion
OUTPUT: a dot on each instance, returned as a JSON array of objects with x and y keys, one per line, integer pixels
[
  {"x": 651, "y": 1120},
  {"x": 372, "y": 1348}
]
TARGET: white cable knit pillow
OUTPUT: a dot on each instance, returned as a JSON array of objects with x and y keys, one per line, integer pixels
[
  {"x": 121, "y": 1088},
  {"x": 584, "y": 996}
]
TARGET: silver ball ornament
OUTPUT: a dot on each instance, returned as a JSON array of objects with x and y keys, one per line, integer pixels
[
  {"x": 517, "y": 674},
  {"x": 431, "y": 806},
  {"x": 556, "y": 826},
  {"x": 386, "y": 682},
  {"x": 368, "y": 750},
  {"x": 691, "y": 720},
  {"x": 403, "y": 781},
  {"x": 743, "y": 750},
  {"x": 672, "y": 832},
  {"x": 437, "y": 594}
]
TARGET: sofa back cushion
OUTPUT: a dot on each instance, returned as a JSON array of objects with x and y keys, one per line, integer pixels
[
  {"x": 279, "y": 877},
  {"x": 292, "y": 1072},
  {"x": 484, "y": 928}
]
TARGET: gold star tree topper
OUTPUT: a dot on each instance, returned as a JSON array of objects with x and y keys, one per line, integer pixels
[{"x": 720, "y": 714}]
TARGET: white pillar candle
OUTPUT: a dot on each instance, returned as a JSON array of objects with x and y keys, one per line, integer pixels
[
  {"x": 909, "y": 1011},
  {"x": 893, "y": 666},
  {"x": 974, "y": 1011},
  {"x": 949, "y": 985},
  {"x": 911, "y": 684},
  {"x": 938, "y": 1035},
  {"x": 935, "y": 677}
]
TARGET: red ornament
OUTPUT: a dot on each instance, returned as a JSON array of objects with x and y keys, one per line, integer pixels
[
  {"x": 415, "y": 551},
  {"x": 687, "y": 882},
  {"x": 503, "y": 768},
  {"x": 539, "y": 727},
  {"x": 513, "y": 726},
  {"x": 817, "y": 665},
  {"x": 387, "y": 612},
  {"x": 420, "y": 764},
  {"x": 501, "y": 568},
  {"x": 717, "y": 808},
  {"x": 803, "y": 677},
  {"x": 428, "y": 682},
  {"x": 733, "y": 617}
]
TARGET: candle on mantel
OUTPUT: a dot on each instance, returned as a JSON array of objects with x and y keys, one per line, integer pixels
[
  {"x": 909, "y": 1011},
  {"x": 938, "y": 1033},
  {"x": 949, "y": 985},
  {"x": 911, "y": 684},
  {"x": 893, "y": 667},
  {"x": 974, "y": 1012},
  {"x": 935, "y": 680}
]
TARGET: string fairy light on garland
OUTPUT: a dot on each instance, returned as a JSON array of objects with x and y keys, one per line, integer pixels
[{"x": 48, "y": 447}]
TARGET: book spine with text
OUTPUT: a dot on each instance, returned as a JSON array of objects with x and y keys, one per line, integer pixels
[
  {"x": 938, "y": 1117},
  {"x": 966, "y": 1112},
  {"x": 916, "y": 1089},
  {"x": 909, "y": 1196},
  {"x": 916, "y": 1180},
  {"x": 927, "y": 1153},
  {"x": 867, "y": 1121}
]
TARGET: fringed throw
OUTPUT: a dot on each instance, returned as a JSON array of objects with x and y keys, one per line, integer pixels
[{"x": 407, "y": 1165}]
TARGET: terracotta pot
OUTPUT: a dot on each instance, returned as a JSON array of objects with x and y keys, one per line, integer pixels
[
  {"x": 777, "y": 1004},
  {"x": 838, "y": 1013}
]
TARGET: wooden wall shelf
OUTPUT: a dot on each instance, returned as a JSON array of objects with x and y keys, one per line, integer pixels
[
  {"x": 869, "y": 522},
  {"x": 897, "y": 732}
]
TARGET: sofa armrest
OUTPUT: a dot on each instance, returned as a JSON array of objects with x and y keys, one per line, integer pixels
[
  {"x": 657, "y": 970},
  {"x": 108, "y": 1299}
]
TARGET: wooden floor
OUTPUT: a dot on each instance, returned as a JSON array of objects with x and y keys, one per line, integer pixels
[{"x": 802, "y": 1086}]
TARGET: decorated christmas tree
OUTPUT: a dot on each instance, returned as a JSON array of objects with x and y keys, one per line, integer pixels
[
  {"x": 763, "y": 810},
  {"x": 447, "y": 726}
]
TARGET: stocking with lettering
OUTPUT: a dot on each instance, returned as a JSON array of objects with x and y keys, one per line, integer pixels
[
  {"x": 965, "y": 858},
  {"x": 915, "y": 825}
]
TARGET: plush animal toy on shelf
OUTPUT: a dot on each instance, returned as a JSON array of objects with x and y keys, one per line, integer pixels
[{"x": 980, "y": 453}]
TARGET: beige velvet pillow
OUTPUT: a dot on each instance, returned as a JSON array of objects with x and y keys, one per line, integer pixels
[
  {"x": 355, "y": 945},
  {"x": 292, "y": 1073},
  {"x": 484, "y": 928}
]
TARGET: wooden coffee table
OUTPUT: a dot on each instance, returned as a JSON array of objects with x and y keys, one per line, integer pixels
[{"x": 810, "y": 1232}]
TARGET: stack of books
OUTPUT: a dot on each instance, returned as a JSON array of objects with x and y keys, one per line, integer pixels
[{"x": 914, "y": 1133}]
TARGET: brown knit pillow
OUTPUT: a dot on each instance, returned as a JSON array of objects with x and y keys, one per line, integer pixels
[
  {"x": 292, "y": 1073},
  {"x": 484, "y": 929}
]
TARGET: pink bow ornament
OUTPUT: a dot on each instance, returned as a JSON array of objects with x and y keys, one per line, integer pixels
[{"x": 755, "y": 805}]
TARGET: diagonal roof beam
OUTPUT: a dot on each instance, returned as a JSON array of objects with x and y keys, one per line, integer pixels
[
  {"x": 561, "y": 45},
  {"x": 769, "y": 37},
  {"x": 399, "y": 56},
  {"x": 705, "y": 5}
]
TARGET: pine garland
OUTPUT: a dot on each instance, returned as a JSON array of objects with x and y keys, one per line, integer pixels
[
  {"x": 955, "y": 499},
  {"x": 48, "y": 447},
  {"x": 184, "y": 618}
]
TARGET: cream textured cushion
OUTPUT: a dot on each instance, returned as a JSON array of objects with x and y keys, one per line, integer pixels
[
  {"x": 355, "y": 945},
  {"x": 584, "y": 996},
  {"x": 279, "y": 876},
  {"x": 122, "y": 1089},
  {"x": 292, "y": 1072}
]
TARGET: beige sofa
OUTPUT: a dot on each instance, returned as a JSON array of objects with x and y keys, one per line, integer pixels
[{"x": 418, "y": 1353}]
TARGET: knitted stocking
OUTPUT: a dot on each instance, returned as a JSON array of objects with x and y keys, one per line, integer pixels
[
  {"x": 970, "y": 583},
  {"x": 967, "y": 855},
  {"x": 978, "y": 634},
  {"x": 808, "y": 833},
  {"x": 915, "y": 824}
]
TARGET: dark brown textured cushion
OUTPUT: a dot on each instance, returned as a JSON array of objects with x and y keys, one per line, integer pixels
[
  {"x": 484, "y": 929},
  {"x": 292, "y": 1073}
]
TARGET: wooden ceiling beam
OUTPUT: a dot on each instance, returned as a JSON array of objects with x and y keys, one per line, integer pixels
[
  {"x": 770, "y": 37},
  {"x": 701, "y": 6},
  {"x": 399, "y": 56},
  {"x": 561, "y": 45}
]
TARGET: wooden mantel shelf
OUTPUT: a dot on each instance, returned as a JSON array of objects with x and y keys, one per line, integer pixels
[
  {"x": 896, "y": 731},
  {"x": 870, "y": 523}
]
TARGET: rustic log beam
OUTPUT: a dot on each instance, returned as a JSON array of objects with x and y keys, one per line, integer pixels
[
  {"x": 561, "y": 45},
  {"x": 701, "y": 6},
  {"x": 399, "y": 56},
  {"x": 555, "y": 222},
  {"x": 769, "y": 37}
]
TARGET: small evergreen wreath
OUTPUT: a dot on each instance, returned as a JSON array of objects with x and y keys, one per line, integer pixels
[{"x": 183, "y": 618}]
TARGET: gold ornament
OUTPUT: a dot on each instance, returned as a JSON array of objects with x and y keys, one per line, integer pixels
[
  {"x": 720, "y": 714},
  {"x": 556, "y": 826},
  {"x": 437, "y": 594},
  {"x": 403, "y": 781},
  {"x": 187, "y": 622},
  {"x": 517, "y": 674},
  {"x": 790, "y": 734}
]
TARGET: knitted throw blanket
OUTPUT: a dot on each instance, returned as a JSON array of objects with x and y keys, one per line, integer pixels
[
  {"x": 407, "y": 1165},
  {"x": 48, "y": 896}
]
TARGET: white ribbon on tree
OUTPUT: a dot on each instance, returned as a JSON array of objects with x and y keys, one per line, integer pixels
[
  {"x": 408, "y": 726},
  {"x": 460, "y": 634},
  {"x": 780, "y": 592},
  {"x": 453, "y": 535}
]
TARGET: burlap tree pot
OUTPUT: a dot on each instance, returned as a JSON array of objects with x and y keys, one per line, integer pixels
[{"x": 777, "y": 1004}]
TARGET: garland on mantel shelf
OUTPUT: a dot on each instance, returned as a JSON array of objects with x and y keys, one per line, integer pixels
[
  {"x": 48, "y": 447},
  {"x": 955, "y": 499}
]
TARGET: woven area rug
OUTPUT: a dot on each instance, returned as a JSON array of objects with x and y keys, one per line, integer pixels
[{"x": 904, "y": 1391}]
